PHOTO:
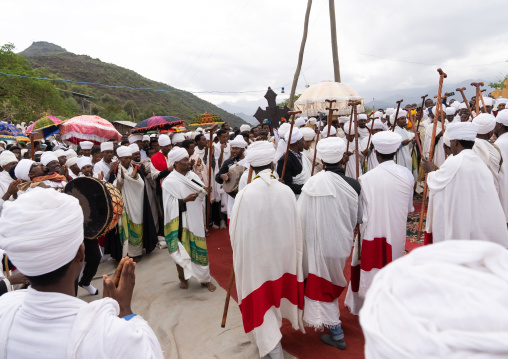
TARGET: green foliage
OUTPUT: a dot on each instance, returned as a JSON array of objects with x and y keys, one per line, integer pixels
[
  {"x": 23, "y": 99},
  {"x": 500, "y": 84},
  {"x": 114, "y": 113},
  {"x": 286, "y": 101},
  {"x": 131, "y": 108}
]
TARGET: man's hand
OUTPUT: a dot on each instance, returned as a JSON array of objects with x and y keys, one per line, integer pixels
[
  {"x": 113, "y": 166},
  {"x": 121, "y": 292},
  {"x": 101, "y": 176},
  {"x": 190, "y": 198},
  {"x": 12, "y": 190},
  {"x": 18, "y": 278},
  {"x": 224, "y": 177},
  {"x": 406, "y": 142},
  {"x": 428, "y": 166},
  {"x": 223, "y": 147},
  {"x": 134, "y": 172}
]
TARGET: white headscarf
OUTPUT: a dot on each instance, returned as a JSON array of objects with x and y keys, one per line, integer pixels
[
  {"x": 244, "y": 128},
  {"x": 260, "y": 153},
  {"x": 134, "y": 148},
  {"x": 462, "y": 131},
  {"x": 308, "y": 133},
  {"x": 7, "y": 157},
  {"x": 502, "y": 117},
  {"x": 84, "y": 161},
  {"x": 23, "y": 169},
  {"x": 324, "y": 131},
  {"x": 177, "y": 138},
  {"x": 41, "y": 231},
  {"x": 134, "y": 138},
  {"x": 485, "y": 122},
  {"x": 107, "y": 146},
  {"x": 238, "y": 142},
  {"x": 123, "y": 151},
  {"x": 86, "y": 145},
  {"x": 331, "y": 150},
  {"x": 386, "y": 142},
  {"x": 164, "y": 140},
  {"x": 47, "y": 157},
  {"x": 296, "y": 135},
  {"x": 445, "y": 300},
  {"x": 176, "y": 154}
]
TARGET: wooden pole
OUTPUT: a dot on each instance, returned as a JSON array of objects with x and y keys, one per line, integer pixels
[
  {"x": 349, "y": 133},
  {"x": 333, "y": 29},
  {"x": 315, "y": 151},
  {"x": 418, "y": 125},
  {"x": 396, "y": 115},
  {"x": 330, "y": 115},
  {"x": 368, "y": 144},
  {"x": 32, "y": 147},
  {"x": 461, "y": 90},
  {"x": 483, "y": 102},
  {"x": 300, "y": 56},
  {"x": 356, "y": 145},
  {"x": 232, "y": 274},
  {"x": 210, "y": 159},
  {"x": 293, "y": 113},
  {"x": 442, "y": 76}
]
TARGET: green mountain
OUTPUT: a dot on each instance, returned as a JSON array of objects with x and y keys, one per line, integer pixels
[{"x": 113, "y": 104}]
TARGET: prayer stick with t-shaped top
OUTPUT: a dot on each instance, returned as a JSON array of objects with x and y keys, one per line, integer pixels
[
  {"x": 442, "y": 76},
  {"x": 293, "y": 113},
  {"x": 396, "y": 114},
  {"x": 368, "y": 144},
  {"x": 210, "y": 159},
  {"x": 461, "y": 90},
  {"x": 330, "y": 114},
  {"x": 418, "y": 124},
  {"x": 478, "y": 97},
  {"x": 315, "y": 145}
]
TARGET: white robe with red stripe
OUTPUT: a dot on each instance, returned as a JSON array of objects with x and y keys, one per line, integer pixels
[
  {"x": 328, "y": 209},
  {"x": 463, "y": 202},
  {"x": 387, "y": 198},
  {"x": 266, "y": 238}
]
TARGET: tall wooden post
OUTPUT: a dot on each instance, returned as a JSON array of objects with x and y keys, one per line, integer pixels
[{"x": 336, "y": 69}]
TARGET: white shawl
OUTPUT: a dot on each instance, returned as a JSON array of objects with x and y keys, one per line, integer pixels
[
  {"x": 502, "y": 144},
  {"x": 491, "y": 156},
  {"x": 132, "y": 190}
]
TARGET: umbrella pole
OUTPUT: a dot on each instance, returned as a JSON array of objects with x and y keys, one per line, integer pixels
[
  {"x": 210, "y": 159},
  {"x": 32, "y": 147}
]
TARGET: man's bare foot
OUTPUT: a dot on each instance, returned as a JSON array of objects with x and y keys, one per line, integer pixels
[
  {"x": 210, "y": 286},
  {"x": 184, "y": 285}
]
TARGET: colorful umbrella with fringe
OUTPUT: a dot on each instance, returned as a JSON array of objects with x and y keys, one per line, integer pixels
[
  {"x": 88, "y": 128},
  {"x": 9, "y": 132},
  {"x": 48, "y": 125},
  {"x": 155, "y": 123},
  {"x": 206, "y": 119}
]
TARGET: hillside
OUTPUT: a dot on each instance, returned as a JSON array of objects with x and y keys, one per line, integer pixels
[{"x": 117, "y": 104}]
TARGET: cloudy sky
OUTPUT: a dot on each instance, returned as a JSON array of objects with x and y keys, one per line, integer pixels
[{"x": 244, "y": 46}]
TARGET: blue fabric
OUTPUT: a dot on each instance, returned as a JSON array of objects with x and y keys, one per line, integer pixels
[
  {"x": 337, "y": 332},
  {"x": 129, "y": 317}
]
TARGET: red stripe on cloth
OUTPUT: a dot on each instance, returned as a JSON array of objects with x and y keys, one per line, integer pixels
[
  {"x": 317, "y": 288},
  {"x": 355, "y": 278},
  {"x": 257, "y": 303},
  {"x": 428, "y": 239},
  {"x": 375, "y": 254}
]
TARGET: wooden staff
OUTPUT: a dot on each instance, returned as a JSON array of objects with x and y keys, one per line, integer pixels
[
  {"x": 32, "y": 146},
  {"x": 478, "y": 96},
  {"x": 294, "y": 113},
  {"x": 349, "y": 133},
  {"x": 330, "y": 114},
  {"x": 396, "y": 115},
  {"x": 368, "y": 144},
  {"x": 416, "y": 137},
  {"x": 483, "y": 102},
  {"x": 442, "y": 76},
  {"x": 461, "y": 90},
  {"x": 232, "y": 274},
  {"x": 315, "y": 151},
  {"x": 210, "y": 159},
  {"x": 356, "y": 144},
  {"x": 418, "y": 125}
]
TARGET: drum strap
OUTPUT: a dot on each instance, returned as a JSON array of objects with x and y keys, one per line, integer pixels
[{"x": 182, "y": 207}]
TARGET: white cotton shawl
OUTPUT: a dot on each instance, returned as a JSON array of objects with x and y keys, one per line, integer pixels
[
  {"x": 491, "y": 156},
  {"x": 447, "y": 300},
  {"x": 502, "y": 144},
  {"x": 132, "y": 193},
  {"x": 328, "y": 211}
]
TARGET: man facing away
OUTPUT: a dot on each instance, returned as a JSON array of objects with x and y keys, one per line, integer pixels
[
  {"x": 267, "y": 253},
  {"x": 501, "y": 131},
  {"x": 46, "y": 320},
  {"x": 183, "y": 195},
  {"x": 328, "y": 209},
  {"x": 387, "y": 198},
  {"x": 463, "y": 202}
]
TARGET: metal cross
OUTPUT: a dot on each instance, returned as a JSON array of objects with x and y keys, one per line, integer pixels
[{"x": 272, "y": 113}]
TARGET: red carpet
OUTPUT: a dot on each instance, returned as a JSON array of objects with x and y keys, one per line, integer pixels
[{"x": 301, "y": 345}]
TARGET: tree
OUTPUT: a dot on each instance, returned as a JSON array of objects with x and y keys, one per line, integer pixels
[
  {"x": 286, "y": 101},
  {"x": 131, "y": 108},
  {"x": 499, "y": 85}
]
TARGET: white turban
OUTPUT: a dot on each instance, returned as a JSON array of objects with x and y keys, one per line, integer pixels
[
  {"x": 260, "y": 153},
  {"x": 283, "y": 129},
  {"x": 450, "y": 111},
  {"x": 485, "y": 123},
  {"x": 462, "y": 131},
  {"x": 331, "y": 150},
  {"x": 153, "y": 135},
  {"x": 446, "y": 139},
  {"x": 47, "y": 157},
  {"x": 299, "y": 122},
  {"x": 501, "y": 100},
  {"x": 244, "y": 128},
  {"x": 7, "y": 157},
  {"x": 377, "y": 114},
  {"x": 86, "y": 145},
  {"x": 343, "y": 119},
  {"x": 386, "y": 142},
  {"x": 59, "y": 153},
  {"x": 378, "y": 124},
  {"x": 41, "y": 231},
  {"x": 84, "y": 161},
  {"x": 389, "y": 111},
  {"x": 22, "y": 170},
  {"x": 333, "y": 131},
  {"x": 502, "y": 117},
  {"x": 178, "y": 138},
  {"x": 402, "y": 113},
  {"x": 70, "y": 153},
  {"x": 445, "y": 300},
  {"x": 123, "y": 151},
  {"x": 362, "y": 116},
  {"x": 146, "y": 138},
  {"x": 71, "y": 161},
  {"x": 239, "y": 142},
  {"x": 312, "y": 121},
  {"x": 346, "y": 127},
  {"x": 134, "y": 138},
  {"x": 134, "y": 148},
  {"x": 296, "y": 135},
  {"x": 107, "y": 146},
  {"x": 489, "y": 101},
  {"x": 176, "y": 154},
  {"x": 462, "y": 106},
  {"x": 164, "y": 140},
  {"x": 308, "y": 133},
  {"x": 455, "y": 104}
]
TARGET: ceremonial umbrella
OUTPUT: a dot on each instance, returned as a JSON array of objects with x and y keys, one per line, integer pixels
[
  {"x": 313, "y": 98},
  {"x": 206, "y": 119},
  {"x": 47, "y": 126},
  {"x": 88, "y": 128},
  {"x": 157, "y": 123},
  {"x": 9, "y": 132}
]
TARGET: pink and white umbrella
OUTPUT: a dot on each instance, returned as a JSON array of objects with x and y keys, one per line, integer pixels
[{"x": 88, "y": 128}]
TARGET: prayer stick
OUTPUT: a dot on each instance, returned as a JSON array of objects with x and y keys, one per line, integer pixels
[
  {"x": 418, "y": 125},
  {"x": 442, "y": 75},
  {"x": 349, "y": 133},
  {"x": 294, "y": 113},
  {"x": 461, "y": 90},
  {"x": 368, "y": 144},
  {"x": 315, "y": 151},
  {"x": 396, "y": 115},
  {"x": 478, "y": 95},
  {"x": 32, "y": 147},
  {"x": 356, "y": 145},
  {"x": 232, "y": 275},
  {"x": 6, "y": 266},
  {"x": 416, "y": 136},
  {"x": 330, "y": 114},
  {"x": 483, "y": 102},
  {"x": 210, "y": 159}
]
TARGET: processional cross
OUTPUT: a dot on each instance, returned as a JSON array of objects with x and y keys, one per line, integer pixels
[{"x": 272, "y": 113}]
